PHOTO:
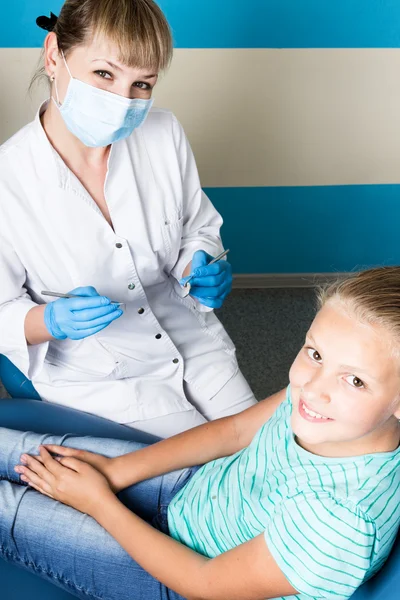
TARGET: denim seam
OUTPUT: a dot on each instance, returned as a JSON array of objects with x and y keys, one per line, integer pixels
[
  {"x": 13, "y": 481},
  {"x": 9, "y": 555}
]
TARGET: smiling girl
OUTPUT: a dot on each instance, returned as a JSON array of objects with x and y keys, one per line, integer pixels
[{"x": 297, "y": 497}]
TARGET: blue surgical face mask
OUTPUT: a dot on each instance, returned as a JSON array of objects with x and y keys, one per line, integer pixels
[{"x": 99, "y": 118}]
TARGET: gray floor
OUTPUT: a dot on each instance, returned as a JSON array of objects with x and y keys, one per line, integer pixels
[{"x": 268, "y": 328}]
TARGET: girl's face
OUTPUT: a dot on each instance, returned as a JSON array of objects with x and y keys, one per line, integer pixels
[{"x": 345, "y": 386}]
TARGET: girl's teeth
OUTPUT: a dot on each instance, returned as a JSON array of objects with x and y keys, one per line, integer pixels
[{"x": 312, "y": 413}]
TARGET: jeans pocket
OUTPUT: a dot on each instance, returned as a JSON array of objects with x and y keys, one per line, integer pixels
[{"x": 184, "y": 477}]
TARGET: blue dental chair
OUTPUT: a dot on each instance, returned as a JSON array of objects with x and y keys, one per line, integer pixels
[{"x": 25, "y": 412}]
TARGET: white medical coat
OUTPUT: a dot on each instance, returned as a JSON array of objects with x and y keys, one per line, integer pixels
[{"x": 53, "y": 236}]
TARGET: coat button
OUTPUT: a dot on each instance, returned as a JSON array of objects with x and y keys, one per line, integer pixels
[
  {"x": 175, "y": 361},
  {"x": 118, "y": 245},
  {"x": 141, "y": 311},
  {"x": 158, "y": 336},
  {"x": 131, "y": 286}
]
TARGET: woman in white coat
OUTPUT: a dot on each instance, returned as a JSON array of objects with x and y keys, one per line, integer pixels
[{"x": 100, "y": 196}]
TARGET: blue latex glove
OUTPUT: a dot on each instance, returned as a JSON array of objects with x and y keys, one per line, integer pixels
[
  {"x": 78, "y": 318},
  {"x": 211, "y": 284}
]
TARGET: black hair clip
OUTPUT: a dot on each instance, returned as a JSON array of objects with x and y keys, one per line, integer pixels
[{"x": 47, "y": 23}]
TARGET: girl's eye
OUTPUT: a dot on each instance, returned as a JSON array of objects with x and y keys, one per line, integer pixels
[
  {"x": 104, "y": 74},
  {"x": 314, "y": 354},
  {"x": 355, "y": 381}
]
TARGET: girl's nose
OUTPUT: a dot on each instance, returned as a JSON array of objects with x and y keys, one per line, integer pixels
[{"x": 316, "y": 391}]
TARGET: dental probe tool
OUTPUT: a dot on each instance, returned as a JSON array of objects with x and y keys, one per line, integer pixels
[
  {"x": 59, "y": 295},
  {"x": 187, "y": 286}
]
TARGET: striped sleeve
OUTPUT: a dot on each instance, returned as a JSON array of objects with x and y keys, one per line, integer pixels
[{"x": 323, "y": 547}]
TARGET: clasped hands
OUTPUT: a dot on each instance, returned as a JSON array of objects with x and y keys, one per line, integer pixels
[{"x": 80, "y": 479}]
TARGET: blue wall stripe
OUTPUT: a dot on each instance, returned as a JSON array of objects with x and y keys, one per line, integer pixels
[
  {"x": 238, "y": 24},
  {"x": 310, "y": 229}
]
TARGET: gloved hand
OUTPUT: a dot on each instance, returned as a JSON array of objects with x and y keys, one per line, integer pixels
[
  {"x": 211, "y": 284},
  {"x": 78, "y": 318}
]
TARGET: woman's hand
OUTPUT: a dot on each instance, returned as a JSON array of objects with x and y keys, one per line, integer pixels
[
  {"x": 67, "y": 480},
  {"x": 80, "y": 317},
  {"x": 211, "y": 284}
]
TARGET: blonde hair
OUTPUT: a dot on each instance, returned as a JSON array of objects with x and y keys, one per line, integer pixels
[
  {"x": 138, "y": 27},
  {"x": 372, "y": 295}
]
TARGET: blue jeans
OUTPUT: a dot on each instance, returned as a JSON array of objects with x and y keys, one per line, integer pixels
[{"x": 68, "y": 548}]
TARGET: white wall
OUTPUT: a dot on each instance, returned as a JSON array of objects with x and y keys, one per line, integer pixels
[{"x": 264, "y": 117}]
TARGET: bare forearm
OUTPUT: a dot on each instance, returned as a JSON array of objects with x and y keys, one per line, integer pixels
[
  {"x": 194, "y": 447},
  {"x": 35, "y": 329},
  {"x": 168, "y": 561},
  {"x": 197, "y": 446}
]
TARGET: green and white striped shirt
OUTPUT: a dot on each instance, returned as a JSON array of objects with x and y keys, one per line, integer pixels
[{"x": 329, "y": 522}]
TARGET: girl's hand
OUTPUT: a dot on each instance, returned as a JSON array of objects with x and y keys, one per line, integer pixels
[
  {"x": 68, "y": 480},
  {"x": 106, "y": 466}
]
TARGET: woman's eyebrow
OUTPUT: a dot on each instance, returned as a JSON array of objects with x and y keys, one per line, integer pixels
[{"x": 114, "y": 66}]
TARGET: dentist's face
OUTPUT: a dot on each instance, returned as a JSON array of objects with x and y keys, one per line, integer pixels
[{"x": 98, "y": 65}]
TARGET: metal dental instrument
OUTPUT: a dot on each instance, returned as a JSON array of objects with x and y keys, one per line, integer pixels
[
  {"x": 59, "y": 295},
  {"x": 187, "y": 286}
]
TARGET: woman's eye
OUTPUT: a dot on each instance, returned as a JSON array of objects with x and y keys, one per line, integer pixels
[
  {"x": 355, "y": 381},
  {"x": 141, "y": 85},
  {"x": 314, "y": 354},
  {"x": 104, "y": 74}
]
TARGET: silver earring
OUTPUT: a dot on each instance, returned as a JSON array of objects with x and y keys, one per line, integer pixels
[{"x": 52, "y": 78}]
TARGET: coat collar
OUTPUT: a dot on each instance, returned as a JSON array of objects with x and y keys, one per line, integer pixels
[{"x": 49, "y": 163}]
